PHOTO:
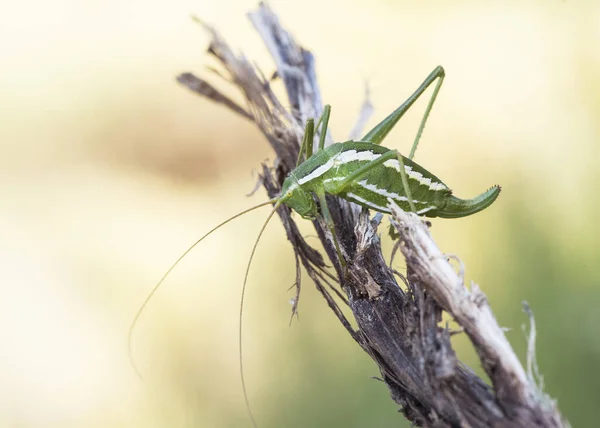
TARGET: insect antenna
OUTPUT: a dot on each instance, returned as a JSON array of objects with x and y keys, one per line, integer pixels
[
  {"x": 240, "y": 344},
  {"x": 159, "y": 283}
]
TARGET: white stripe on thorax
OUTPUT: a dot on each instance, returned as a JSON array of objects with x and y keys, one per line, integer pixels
[{"x": 317, "y": 172}]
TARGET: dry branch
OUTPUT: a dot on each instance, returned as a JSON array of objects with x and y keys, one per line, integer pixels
[{"x": 399, "y": 329}]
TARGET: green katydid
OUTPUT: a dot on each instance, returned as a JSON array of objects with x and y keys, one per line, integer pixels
[{"x": 363, "y": 172}]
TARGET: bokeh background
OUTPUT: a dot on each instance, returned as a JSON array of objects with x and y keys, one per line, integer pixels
[{"x": 109, "y": 170}]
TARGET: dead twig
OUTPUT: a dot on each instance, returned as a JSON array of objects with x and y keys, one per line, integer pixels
[{"x": 399, "y": 329}]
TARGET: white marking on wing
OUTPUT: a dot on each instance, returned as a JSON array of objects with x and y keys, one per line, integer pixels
[
  {"x": 369, "y": 204},
  {"x": 367, "y": 155},
  {"x": 382, "y": 192},
  {"x": 353, "y": 156},
  {"x": 426, "y": 181},
  {"x": 393, "y": 163},
  {"x": 329, "y": 180},
  {"x": 437, "y": 186},
  {"x": 424, "y": 210}
]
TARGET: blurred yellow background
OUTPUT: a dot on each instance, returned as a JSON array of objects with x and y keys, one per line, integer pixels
[{"x": 109, "y": 170}]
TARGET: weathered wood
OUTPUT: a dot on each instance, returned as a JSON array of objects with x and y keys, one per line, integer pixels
[{"x": 399, "y": 328}]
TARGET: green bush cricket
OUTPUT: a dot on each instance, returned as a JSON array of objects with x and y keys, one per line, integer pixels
[{"x": 363, "y": 172}]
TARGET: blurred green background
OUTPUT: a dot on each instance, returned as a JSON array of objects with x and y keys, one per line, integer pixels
[{"x": 109, "y": 170}]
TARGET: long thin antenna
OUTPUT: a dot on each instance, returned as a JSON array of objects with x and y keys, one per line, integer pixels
[
  {"x": 159, "y": 283},
  {"x": 248, "y": 408}
]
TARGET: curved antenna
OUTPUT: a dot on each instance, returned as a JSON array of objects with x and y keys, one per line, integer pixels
[
  {"x": 159, "y": 283},
  {"x": 248, "y": 408}
]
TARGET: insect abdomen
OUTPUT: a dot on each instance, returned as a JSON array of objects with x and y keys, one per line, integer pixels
[{"x": 384, "y": 181}]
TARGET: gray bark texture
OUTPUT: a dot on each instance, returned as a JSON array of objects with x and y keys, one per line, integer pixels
[{"x": 398, "y": 327}]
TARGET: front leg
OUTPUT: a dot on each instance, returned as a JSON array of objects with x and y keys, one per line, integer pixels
[{"x": 331, "y": 226}]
